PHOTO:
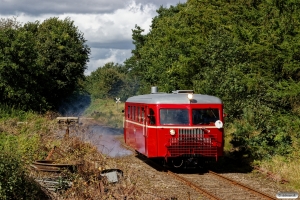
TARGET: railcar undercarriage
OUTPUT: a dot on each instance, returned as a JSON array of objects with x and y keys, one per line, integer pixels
[
  {"x": 188, "y": 161},
  {"x": 191, "y": 151}
]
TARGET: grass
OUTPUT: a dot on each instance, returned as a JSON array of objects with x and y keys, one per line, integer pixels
[
  {"x": 107, "y": 112},
  {"x": 19, "y": 146},
  {"x": 285, "y": 168},
  {"x": 288, "y": 168},
  {"x": 282, "y": 167},
  {"x": 31, "y": 137},
  {"x": 28, "y": 137},
  {"x": 36, "y": 135},
  {"x": 228, "y": 130}
]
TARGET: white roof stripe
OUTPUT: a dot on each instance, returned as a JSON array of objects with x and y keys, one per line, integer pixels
[{"x": 170, "y": 98}]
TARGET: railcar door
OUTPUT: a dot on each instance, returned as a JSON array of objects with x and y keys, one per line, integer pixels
[
  {"x": 144, "y": 122},
  {"x": 130, "y": 133},
  {"x": 139, "y": 129},
  {"x": 151, "y": 132}
]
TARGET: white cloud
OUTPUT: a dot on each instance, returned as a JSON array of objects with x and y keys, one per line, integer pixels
[
  {"x": 108, "y": 33},
  {"x": 107, "y": 55},
  {"x": 114, "y": 26}
]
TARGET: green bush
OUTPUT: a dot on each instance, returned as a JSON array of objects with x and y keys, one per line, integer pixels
[
  {"x": 264, "y": 135},
  {"x": 14, "y": 183},
  {"x": 18, "y": 147}
]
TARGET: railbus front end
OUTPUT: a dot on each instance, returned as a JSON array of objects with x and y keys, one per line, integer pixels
[{"x": 181, "y": 128}]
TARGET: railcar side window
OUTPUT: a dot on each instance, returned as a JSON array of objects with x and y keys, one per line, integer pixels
[
  {"x": 138, "y": 114},
  {"x": 143, "y": 114},
  {"x": 133, "y": 112},
  {"x": 205, "y": 116},
  {"x": 151, "y": 116},
  {"x": 174, "y": 116},
  {"x": 128, "y": 112}
]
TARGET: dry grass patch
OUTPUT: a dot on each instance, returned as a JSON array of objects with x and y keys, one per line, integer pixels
[
  {"x": 37, "y": 136},
  {"x": 285, "y": 168},
  {"x": 87, "y": 180}
]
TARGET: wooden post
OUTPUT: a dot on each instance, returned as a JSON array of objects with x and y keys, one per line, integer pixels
[{"x": 67, "y": 132}]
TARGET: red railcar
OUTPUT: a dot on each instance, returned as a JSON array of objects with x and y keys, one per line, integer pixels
[{"x": 181, "y": 127}]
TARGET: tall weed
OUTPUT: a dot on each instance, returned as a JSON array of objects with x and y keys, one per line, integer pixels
[
  {"x": 14, "y": 183},
  {"x": 286, "y": 168}
]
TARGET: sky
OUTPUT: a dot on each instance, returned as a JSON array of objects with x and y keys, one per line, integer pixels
[{"x": 106, "y": 24}]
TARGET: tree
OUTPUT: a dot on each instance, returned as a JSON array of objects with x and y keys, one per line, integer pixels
[
  {"x": 62, "y": 54},
  {"x": 245, "y": 52},
  {"x": 7, "y": 23},
  {"x": 41, "y": 64},
  {"x": 18, "y": 69},
  {"x": 106, "y": 81}
]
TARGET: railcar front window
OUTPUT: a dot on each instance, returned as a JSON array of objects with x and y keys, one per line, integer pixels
[
  {"x": 205, "y": 116},
  {"x": 174, "y": 116}
]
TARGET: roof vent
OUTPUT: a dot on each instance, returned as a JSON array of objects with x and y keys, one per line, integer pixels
[
  {"x": 182, "y": 91},
  {"x": 154, "y": 89}
]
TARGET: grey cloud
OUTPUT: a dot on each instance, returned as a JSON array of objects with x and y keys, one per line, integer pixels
[
  {"x": 37, "y": 7},
  {"x": 112, "y": 45},
  {"x": 101, "y": 56},
  {"x": 163, "y": 3},
  {"x": 99, "y": 53},
  {"x": 105, "y": 53}
]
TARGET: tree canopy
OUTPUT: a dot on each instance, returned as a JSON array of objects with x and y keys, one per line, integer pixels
[
  {"x": 246, "y": 52},
  {"x": 111, "y": 81},
  {"x": 41, "y": 63}
]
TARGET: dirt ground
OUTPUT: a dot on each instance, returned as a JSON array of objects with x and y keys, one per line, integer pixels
[
  {"x": 149, "y": 182},
  {"x": 138, "y": 179}
]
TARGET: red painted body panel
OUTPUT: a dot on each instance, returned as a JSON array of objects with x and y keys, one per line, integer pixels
[{"x": 155, "y": 140}]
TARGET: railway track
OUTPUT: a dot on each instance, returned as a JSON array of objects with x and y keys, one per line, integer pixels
[
  {"x": 215, "y": 186},
  {"x": 212, "y": 185},
  {"x": 245, "y": 187},
  {"x": 218, "y": 187}
]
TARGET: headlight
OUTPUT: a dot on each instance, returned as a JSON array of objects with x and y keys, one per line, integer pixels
[
  {"x": 172, "y": 132},
  {"x": 190, "y": 96},
  {"x": 219, "y": 124}
]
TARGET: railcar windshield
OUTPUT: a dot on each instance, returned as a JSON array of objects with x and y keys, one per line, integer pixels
[
  {"x": 174, "y": 116},
  {"x": 205, "y": 116}
]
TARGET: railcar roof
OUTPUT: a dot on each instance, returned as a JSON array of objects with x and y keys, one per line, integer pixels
[{"x": 171, "y": 98}]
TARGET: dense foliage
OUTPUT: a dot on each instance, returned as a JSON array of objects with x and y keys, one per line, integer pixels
[
  {"x": 19, "y": 146},
  {"x": 41, "y": 63},
  {"x": 246, "y": 52},
  {"x": 14, "y": 182},
  {"x": 111, "y": 81}
]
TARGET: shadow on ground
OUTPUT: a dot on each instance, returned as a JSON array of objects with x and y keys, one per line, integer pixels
[{"x": 230, "y": 163}]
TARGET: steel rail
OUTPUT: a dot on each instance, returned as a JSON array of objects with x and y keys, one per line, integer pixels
[
  {"x": 187, "y": 182},
  {"x": 207, "y": 193},
  {"x": 242, "y": 186}
]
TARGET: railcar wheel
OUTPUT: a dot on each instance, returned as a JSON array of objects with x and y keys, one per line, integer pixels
[{"x": 177, "y": 163}]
